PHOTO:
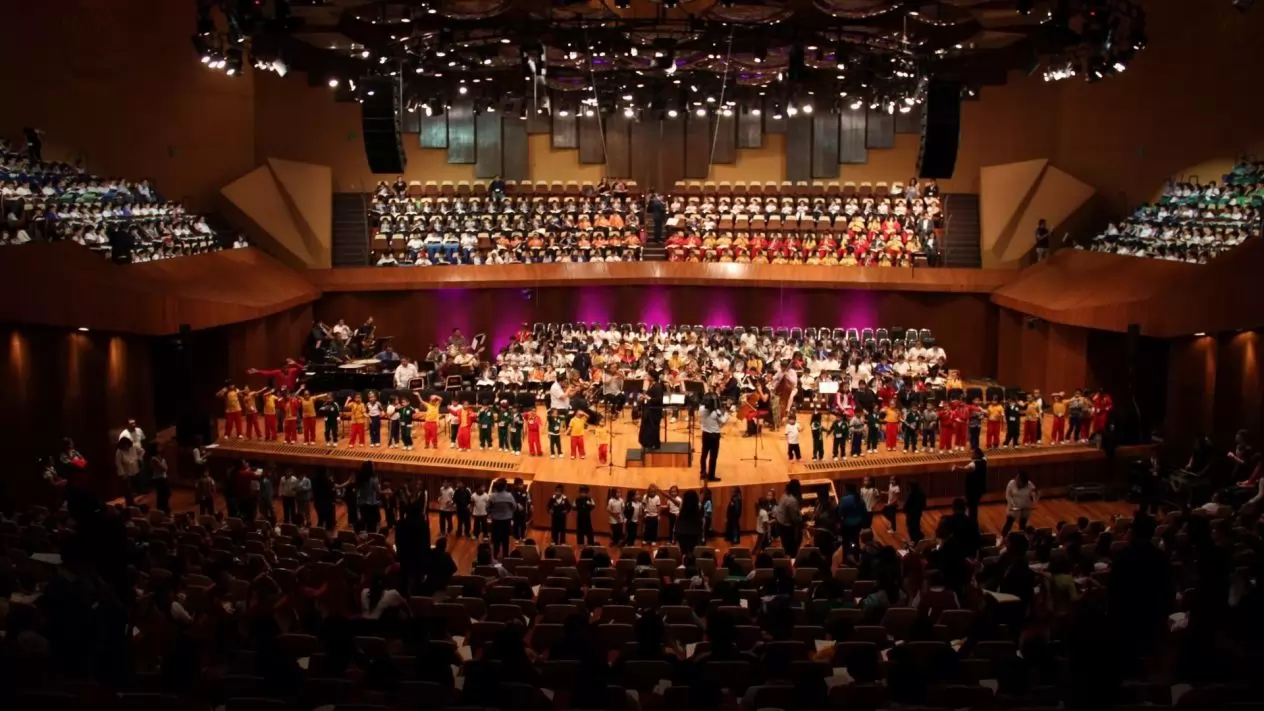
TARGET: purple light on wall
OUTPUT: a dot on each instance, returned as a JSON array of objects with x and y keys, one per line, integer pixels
[
  {"x": 656, "y": 309},
  {"x": 859, "y": 309},
  {"x": 720, "y": 311},
  {"x": 456, "y": 308},
  {"x": 791, "y": 310},
  {"x": 593, "y": 304}
]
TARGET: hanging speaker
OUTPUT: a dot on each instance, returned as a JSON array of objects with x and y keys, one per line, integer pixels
[
  {"x": 941, "y": 130},
  {"x": 380, "y": 120}
]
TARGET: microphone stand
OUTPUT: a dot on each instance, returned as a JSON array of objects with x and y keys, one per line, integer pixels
[{"x": 759, "y": 435}]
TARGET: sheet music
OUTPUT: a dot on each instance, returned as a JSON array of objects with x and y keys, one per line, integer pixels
[
  {"x": 674, "y": 399},
  {"x": 827, "y": 387}
]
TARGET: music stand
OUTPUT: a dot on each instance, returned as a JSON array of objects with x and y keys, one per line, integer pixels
[
  {"x": 755, "y": 459},
  {"x": 610, "y": 466}
]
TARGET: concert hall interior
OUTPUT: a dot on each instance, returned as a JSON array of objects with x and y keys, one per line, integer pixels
[{"x": 877, "y": 258}]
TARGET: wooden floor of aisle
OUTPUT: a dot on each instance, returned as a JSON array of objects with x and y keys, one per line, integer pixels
[{"x": 992, "y": 517}]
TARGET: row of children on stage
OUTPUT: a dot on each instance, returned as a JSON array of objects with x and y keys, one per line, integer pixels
[
  {"x": 286, "y": 413},
  {"x": 954, "y": 425}
]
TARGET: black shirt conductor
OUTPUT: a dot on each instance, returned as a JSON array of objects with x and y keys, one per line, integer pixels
[{"x": 650, "y": 435}]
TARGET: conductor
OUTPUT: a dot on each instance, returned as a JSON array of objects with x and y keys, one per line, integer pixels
[
  {"x": 658, "y": 215},
  {"x": 650, "y": 436}
]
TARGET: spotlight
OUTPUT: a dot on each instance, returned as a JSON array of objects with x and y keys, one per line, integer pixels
[
  {"x": 755, "y": 112},
  {"x": 563, "y": 113},
  {"x": 333, "y": 83},
  {"x": 905, "y": 109},
  {"x": 855, "y": 105},
  {"x": 792, "y": 110},
  {"x": 588, "y": 113},
  {"x": 628, "y": 112},
  {"x": 672, "y": 113},
  {"x": 206, "y": 59},
  {"x": 364, "y": 54},
  {"x": 462, "y": 90},
  {"x": 700, "y": 113},
  {"x": 279, "y": 67},
  {"x": 726, "y": 112},
  {"x": 807, "y": 108}
]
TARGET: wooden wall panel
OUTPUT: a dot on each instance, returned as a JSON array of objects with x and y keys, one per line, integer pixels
[
  {"x": 591, "y": 145},
  {"x": 489, "y": 135},
  {"x": 671, "y": 152},
  {"x": 772, "y": 124},
  {"x": 851, "y": 136},
  {"x": 537, "y": 121},
  {"x": 750, "y": 129},
  {"x": 461, "y": 129},
  {"x": 565, "y": 128},
  {"x": 412, "y": 121},
  {"x": 910, "y": 122},
  {"x": 515, "y": 156},
  {"x": 697, "y": 147},
  {"x": 434, "y": 131},
  {"x": 881, "y": 130},
  {"x": 725, "y": 148},
  {"x": 799, "y": 148},
  {"x": 644, "y": 136},
  {"x": 618, "y": 147},
  {"x": 825, "y": 145}
]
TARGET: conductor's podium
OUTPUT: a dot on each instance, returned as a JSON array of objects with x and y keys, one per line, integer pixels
[{"x": 670, "y": 454}]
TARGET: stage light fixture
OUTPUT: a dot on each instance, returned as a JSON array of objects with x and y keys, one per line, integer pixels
[
  {"x": 563, "y": 113},
  {"x": 333, "y": 83},
  {"x": 588, "y": 113},
  {"x": 807, "y": 108},
  {"x": 701, "y": 112},
  {"x": 628, "y": 112},
  {"x": 462, "y": 90},
  {"x": 755, "y": 111},
  {"x": 672, "y": 113},
  {"x": 792, "y": 110}
]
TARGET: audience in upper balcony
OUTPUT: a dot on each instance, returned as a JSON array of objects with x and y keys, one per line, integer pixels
[
  {"x": 878, "y": 229},
  {"x": 124, "y": 220},
  {"x": 1192, "y": 222},
  {"x": 601, "y": 225}
]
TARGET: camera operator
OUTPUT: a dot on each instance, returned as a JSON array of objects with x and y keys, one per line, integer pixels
[{"x": 712, "y": 416}]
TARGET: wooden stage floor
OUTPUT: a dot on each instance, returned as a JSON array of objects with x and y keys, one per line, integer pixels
[{"x": 734, "y": 466}]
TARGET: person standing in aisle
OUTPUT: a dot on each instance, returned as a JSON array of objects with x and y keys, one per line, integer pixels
[
  {"x": 522, "y": 497},
  {"x": 447, "y": 507},
  {"x": 733, "y": 517},
  {"x": 461, "y": 499},
  {"x": 559, "y": 509},
  {"x": 584, "y": 506},
  {"x": 502, "y": 507},
  {"x": 1020, "y": 500},
  {"x": 478, "y": 509},
  {"x": 788, "y": 518}
]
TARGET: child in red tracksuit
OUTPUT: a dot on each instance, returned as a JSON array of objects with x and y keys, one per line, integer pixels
[
  {"x": 532, "y": 421},
  {"x": 947, "y": 430},
  {"x": 961, "y": 426},
  {"x": 292, "y": 409}
]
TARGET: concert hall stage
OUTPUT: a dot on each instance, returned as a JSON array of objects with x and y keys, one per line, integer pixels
[{"x": 1052, "y": 468}]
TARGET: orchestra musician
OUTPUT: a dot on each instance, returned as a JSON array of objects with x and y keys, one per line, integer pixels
[
  {"x": 785, "y": 383},
  {"x": 612, "y": 389},
  {"x": 754, "y": 406},
  {"x": 650, "y": 435},
  {"x": 365, "y": 337}
]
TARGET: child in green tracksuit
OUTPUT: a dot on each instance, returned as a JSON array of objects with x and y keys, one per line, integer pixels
[
  {"x": 818, "y": 437},
  {"x": 485, "y": 421},
  {"x": 838, "y": 430},
  {"x": 911, "y": 424},
  {"x": 873, "y": 425},
  {"x": 515, "y": 431},
  {"x": 556, "y": 422},
  {"x": 502, "y": 426}
]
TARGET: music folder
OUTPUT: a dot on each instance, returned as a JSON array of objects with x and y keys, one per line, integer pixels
[{"x": 827, "y": 387}]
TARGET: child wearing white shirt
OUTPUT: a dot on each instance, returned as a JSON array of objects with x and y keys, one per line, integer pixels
[{"x": 792, "y": 440}]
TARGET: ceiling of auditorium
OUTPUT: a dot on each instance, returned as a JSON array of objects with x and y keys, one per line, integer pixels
[{"x": 648, "y": 54}]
